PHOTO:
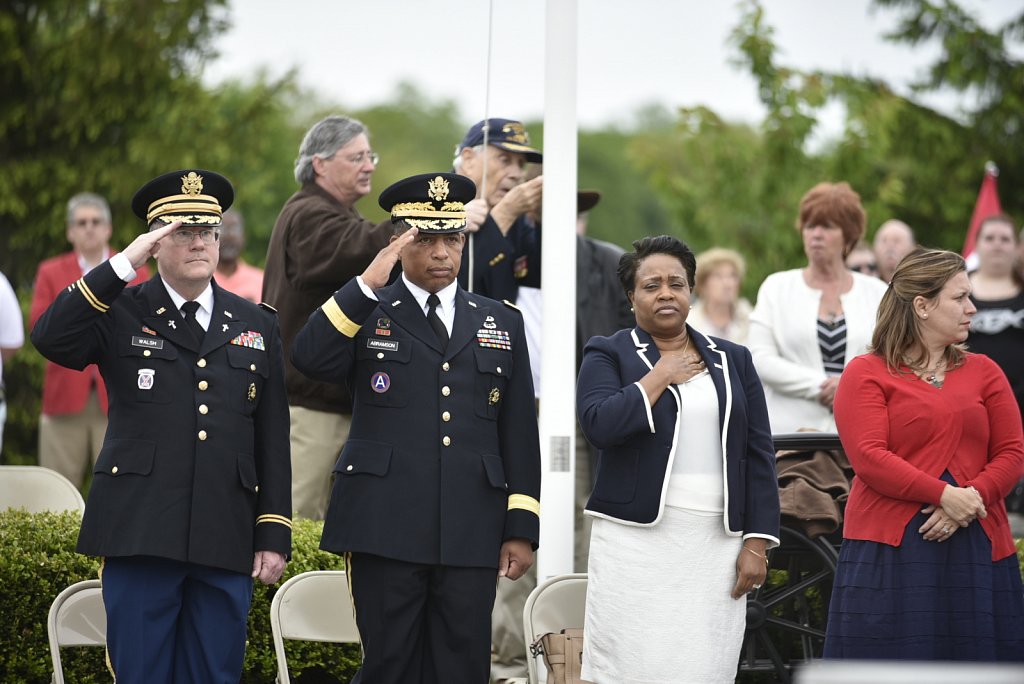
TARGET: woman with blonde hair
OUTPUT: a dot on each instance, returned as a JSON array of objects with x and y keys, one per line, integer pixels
[
  {"x": 719, "y": 309},
  {"x": 928, "y": 569}
]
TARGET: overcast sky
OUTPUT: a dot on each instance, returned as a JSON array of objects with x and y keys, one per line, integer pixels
[{"x": 631, "y": 52}]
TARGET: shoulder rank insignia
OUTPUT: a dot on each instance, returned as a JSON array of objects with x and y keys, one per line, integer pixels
[
  {"x": 511, "y": 305},
  {"x": 265, "y": 306}
]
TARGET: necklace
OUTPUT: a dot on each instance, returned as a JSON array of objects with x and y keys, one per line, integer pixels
[{"x": 929, "y": 375}]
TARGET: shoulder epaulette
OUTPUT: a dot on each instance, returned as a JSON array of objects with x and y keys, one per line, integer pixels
[
  {"x": 268, "y": 307},
  {"x": 511, "y": 305}
]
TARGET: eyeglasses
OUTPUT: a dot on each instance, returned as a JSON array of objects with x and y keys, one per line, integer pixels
[
  {"x": 361, "y": 158},
  {"x": 82, "y": 223},
  {"x": 184, "y": 238},
  {"x": 867, "y": 268}
]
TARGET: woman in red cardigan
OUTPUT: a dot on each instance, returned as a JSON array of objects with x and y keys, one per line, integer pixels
[{"x": 927, "y": 569}]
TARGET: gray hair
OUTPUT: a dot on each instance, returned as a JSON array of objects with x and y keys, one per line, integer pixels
[
  {"x": 87, "y": 199},
  {"x": 324, "y": 140},
  {"x": 457, "y": 162}
]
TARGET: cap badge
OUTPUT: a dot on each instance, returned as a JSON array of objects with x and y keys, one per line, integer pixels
[
  {"x": 192, "y": 184},
  {"x": 438, "y": 189},
  {"x": 515, "y": 132}
]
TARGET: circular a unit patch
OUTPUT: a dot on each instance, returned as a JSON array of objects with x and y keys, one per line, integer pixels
[{"x": 380, "y": 383}]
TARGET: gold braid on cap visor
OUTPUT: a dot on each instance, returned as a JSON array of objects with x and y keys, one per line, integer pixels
[{"x": 205, "y": 204}]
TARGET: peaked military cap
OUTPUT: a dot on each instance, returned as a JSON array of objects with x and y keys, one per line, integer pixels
[
  {"x": 193, "y": 196},
  {"x": 504, "y": 133},
  {"x": 431, "y": 202}
]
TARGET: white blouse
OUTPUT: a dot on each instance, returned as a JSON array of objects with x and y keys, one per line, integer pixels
[{"x": 697, "y": 481}]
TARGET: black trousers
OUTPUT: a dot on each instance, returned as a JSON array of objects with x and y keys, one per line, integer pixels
[{"x": 422, "y": 624}]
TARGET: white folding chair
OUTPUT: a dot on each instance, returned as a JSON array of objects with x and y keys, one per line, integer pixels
[
  {"x": 77, "y": 618},
  {"x": 37, "y": 489},
  {"x": 556, "y": 604},
  {"x": 311, "y": 606}
]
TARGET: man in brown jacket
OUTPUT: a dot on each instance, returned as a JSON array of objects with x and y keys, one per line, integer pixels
[{"x": 319, "y": 243}]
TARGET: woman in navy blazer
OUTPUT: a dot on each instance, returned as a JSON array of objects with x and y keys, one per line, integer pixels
[{"x": 686, "y": 502}]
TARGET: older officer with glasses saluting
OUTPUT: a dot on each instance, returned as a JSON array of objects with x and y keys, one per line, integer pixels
[{"x": 191, "y": 494}]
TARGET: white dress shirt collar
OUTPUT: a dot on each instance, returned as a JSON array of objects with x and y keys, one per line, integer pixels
[
  {"x": 205, "y": 299},
  {"x": 446, "y": 309}
]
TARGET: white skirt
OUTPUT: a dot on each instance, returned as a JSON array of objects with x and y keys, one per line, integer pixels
[{"x": 658, "y": 603}]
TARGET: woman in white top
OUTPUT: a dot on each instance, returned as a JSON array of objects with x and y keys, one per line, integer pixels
[{"x": 809, "y": 322}]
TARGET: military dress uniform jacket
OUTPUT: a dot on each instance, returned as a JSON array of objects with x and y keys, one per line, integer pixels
[
  {"x": 442, "y": 463},
  {"x": 195, "y": 464}
]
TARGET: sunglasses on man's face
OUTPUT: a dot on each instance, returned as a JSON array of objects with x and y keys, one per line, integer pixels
[{"x": 868, "y": 268}]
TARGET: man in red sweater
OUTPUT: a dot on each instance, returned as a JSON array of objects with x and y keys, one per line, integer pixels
[{"x": 74, "y": 416}]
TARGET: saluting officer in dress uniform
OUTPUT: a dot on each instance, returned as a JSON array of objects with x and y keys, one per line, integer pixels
[
  {"x": 438, "y": 485},
  {"x": 191, "y": 493}
]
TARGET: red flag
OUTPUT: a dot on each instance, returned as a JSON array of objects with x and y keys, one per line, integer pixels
[{"x": 986, "y": 205}]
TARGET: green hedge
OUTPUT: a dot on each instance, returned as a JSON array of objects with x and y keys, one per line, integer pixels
[{"x": 38, "y": 561}]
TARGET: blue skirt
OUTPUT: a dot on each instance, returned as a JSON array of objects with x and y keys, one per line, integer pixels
[{"x": 926, "y": 600}]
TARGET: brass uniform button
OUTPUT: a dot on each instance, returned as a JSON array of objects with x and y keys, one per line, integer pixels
[
  {"x": 257, "y": 489},
  {"x": 113, "y": 471},
  {"x": 203, "y": 385},
  {"x": 447, "y": 441},
  {"x": 498, "y": 369},
  {"x": 204, "y": 409},
  {"x": 147, "y": 353},
  {"x": 380, "y": 355},
  {"x": 202, "y": 435},
  {"x": 349, "y": 468},
  {"x": 446, "y": 416},
  {"x": 445, "y": 366},
  {"x": 201, "y": 363},
  {"x": 252, "y": 367},
  {"x": 445, "y": 391}
]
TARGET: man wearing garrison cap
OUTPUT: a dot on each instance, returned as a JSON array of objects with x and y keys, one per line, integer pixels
[
  {"x": 436, "y": 492},
  {"x": 191, "y": 493}
]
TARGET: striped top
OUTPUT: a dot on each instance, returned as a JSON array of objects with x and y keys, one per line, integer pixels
[{"x": 832, "y": 343}]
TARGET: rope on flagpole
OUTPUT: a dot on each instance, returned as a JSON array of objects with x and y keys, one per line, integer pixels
[{"x": 487, "y": 106}]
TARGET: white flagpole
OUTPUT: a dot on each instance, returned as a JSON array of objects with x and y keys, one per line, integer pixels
[{"x": 558, "y": 292}]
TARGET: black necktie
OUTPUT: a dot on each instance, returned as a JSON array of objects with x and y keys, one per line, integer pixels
[
  {"x": 190, "y": 309},
  {"x": 435, "y": 321}
]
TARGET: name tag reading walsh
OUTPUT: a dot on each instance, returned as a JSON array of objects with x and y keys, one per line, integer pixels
[{"x": 147, "y": 342}]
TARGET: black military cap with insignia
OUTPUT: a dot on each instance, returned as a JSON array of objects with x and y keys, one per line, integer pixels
[
  {"x": 193, "y": 196},
  {"x": 434, "y": 203},
  {"x": 506, "y": 134}
]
